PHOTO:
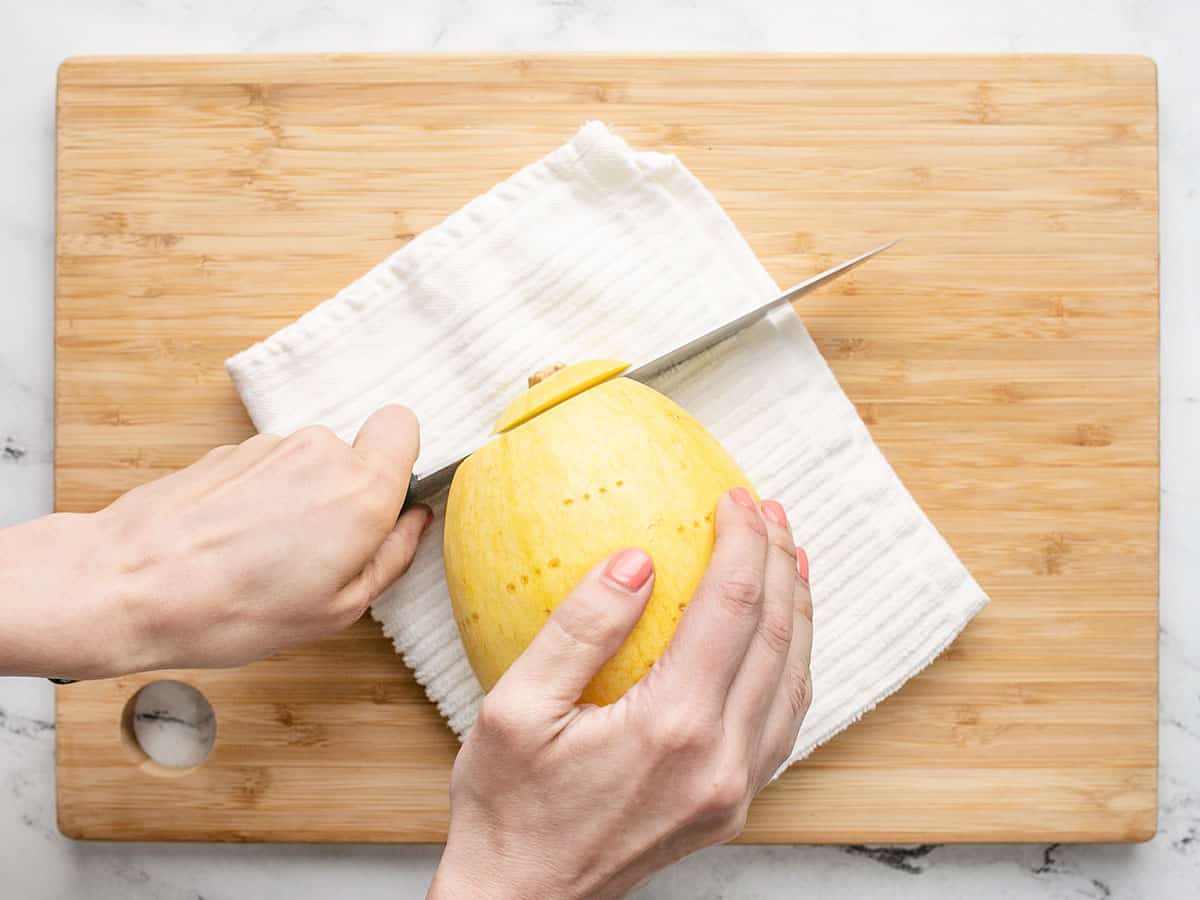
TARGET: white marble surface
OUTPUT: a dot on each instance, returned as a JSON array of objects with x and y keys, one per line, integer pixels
[{"x": 35, "y": 862}]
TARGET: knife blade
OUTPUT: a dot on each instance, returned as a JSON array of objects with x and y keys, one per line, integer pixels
[
  {"x": 709, "y": 339},
  {"x": 427, "y": 484}
]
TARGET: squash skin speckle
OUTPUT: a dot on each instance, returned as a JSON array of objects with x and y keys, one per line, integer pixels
[{"x": 638, "y": 471}]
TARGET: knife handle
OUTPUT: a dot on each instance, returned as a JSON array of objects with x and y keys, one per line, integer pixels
[{"x": 410, "y": 497}]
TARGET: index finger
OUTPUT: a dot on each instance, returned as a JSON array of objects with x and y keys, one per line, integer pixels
[{"x": 719, "y": 623}]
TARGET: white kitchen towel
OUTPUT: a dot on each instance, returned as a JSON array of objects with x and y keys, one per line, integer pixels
[{"x": 598, "y": 251}]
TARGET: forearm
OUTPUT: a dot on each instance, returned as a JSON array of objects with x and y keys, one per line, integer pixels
[{"x": 65, "y": 609}]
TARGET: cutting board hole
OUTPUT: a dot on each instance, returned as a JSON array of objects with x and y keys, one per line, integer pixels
[{"x": 169, "y": 726}]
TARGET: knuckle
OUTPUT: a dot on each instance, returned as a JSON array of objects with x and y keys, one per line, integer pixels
[
  {"x": 590, "y": 631},
  {"x": 727, "y": 796},
  {"x": 682, "y": 734},
  {"x": 314, "y": 439},
  {"x": 263, "y": 442},
  {"x": 799, "y": 689},
  {"x": 499, "y": 721},
  {"x": 741, "y": 590},
  {"x": 218, "y": 452},
  {"x": 781, "y": 540},
  {"x": 775, "y": 631}
]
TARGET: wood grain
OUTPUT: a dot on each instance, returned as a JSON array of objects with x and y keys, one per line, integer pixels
[{"x": 1005, "y": 357}]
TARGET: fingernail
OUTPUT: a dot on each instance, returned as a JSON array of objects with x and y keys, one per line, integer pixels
[
  {"x": 741, "y": 497},
  {"x": 774, "y": 512},
  {"x": 802, "y": 565},
  {"x": 630, "y": 569}
]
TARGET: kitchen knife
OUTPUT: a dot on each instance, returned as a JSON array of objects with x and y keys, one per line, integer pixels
[{"x": 431, "y": 481}]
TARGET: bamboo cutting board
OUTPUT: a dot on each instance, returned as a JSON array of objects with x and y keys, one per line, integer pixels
[{"x": 1005, "y": 357}]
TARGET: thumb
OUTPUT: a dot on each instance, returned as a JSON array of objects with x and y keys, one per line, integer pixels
[
  {"x": 393, "y": 557},
  {"x": 391, "y": 440},
  {"x": 583, "y": 632}
]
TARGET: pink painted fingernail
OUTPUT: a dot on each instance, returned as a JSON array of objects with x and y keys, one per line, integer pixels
[
  {"x": 802, "y": 565},
  {"x": 741, "y": 497},
  {"x": 774, "y": 512},
  {"x": 630, "y": 569}
]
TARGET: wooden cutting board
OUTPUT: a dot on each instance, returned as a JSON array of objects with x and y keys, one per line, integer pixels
[{"x": 1005, "y": 357}]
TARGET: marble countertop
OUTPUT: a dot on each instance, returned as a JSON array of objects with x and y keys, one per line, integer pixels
[{"x": 36, "y": 862}]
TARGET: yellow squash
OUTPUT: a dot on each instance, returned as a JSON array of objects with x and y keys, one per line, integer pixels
[{"x": 592, "y": 470}]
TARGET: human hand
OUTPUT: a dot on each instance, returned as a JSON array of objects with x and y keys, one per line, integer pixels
[
  {"x": 552, "y": 799},
  {"x": 259, "y": 546}
]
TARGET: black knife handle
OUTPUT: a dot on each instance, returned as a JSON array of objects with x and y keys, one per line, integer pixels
[{"x": 409, "y": 498}]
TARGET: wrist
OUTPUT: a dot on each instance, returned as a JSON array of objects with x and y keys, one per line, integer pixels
[
  {"x": 481, "y": 872},
  {"x": 455, "y": 879},
  {"x": 106, "y": 583},
  {"x": 56, "y": 618},
  {"x": 127, "y": 581},
  {"x": 454, "y": 882}
]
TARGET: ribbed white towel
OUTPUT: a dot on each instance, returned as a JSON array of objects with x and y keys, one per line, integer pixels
[{"x": 598, "y": 251}]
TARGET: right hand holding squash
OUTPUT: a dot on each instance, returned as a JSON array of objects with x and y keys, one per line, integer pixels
[{"x": 550, "y": 798}]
